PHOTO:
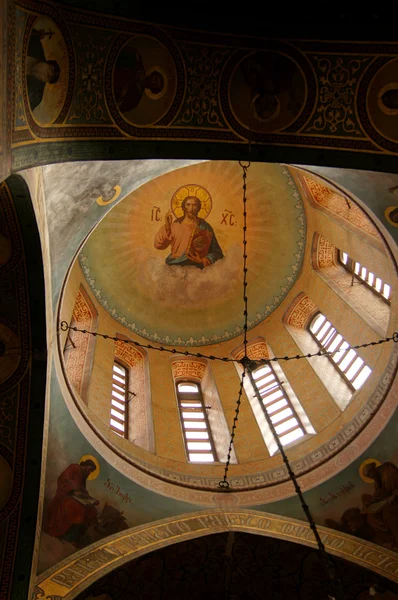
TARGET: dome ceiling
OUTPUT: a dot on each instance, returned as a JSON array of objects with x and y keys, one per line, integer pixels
[{"x": 145, "y": 273}]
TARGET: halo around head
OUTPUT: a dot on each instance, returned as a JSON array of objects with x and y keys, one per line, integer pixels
[
  {"x": 388, "y": 215},
  {"x": 383, "y": 107},
  {"x": 95, "y": 473},
  {"x": 162, "y": 92},
  {"x": 363, "y": 465},
  {"x": 191, "y": 189}
]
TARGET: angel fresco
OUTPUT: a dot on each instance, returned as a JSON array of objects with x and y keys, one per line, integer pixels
[{"x": 192, "y": 239}]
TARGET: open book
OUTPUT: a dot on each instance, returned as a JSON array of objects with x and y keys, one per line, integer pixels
[{"x": 86, "y": 500}]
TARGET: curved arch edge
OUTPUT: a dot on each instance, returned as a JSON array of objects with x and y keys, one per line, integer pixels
[{"x": 73, "y": 575}]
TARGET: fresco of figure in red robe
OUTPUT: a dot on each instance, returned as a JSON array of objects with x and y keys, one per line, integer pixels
[{"x": 72, "y": 510}]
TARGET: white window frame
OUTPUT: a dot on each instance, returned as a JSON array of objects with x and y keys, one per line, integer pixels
[
  {"x": 351, "y": 367},
  {"x": 118, "y": 420},
  {"x": 292, "y": 402},
  {"x": 196, "y": 431},
  {"x": 365, "y": 276}
]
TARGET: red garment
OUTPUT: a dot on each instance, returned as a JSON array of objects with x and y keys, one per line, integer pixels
[{"x": 64, "y": 510}]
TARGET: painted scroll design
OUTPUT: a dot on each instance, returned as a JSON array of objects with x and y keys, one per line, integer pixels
[{"x": 338, "y": 80}]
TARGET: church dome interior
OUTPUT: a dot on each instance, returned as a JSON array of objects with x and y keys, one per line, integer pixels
[
  {"x": 198, "y": 308},
  {"x": 315, "y": 259}
]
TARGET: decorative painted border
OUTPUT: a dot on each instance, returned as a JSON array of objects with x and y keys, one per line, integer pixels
[
  {"x": 253, "y": 489},
  {"x": 73, "y": 575},
  {"x": 164, "y": 131},
  {"x": 285, "y": 287}
]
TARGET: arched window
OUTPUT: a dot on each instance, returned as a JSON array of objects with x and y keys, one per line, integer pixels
[
  {"x": 119, "y": 399},
  {"x": 351, "y": 367},
  {"x": 195, "y": 424},
  {"x": 365, "y": 276},
  {"x": 359, "y": 287},
  {"x": 276, "y": 402},
  {"x": 196, "y": 392},
  {"x": 277, "y": 398},
  {"x": 131, "y": 417}
]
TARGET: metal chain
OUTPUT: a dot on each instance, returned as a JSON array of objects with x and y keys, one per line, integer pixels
[
  {"x": 393, "y": 338},
  {"x": 244, "y": 176},
  {"x": 247, "y": 370},
  {"x": 329, "y": 562},
  {"x": 64, "y": 327},
  {"x": 224, "y": 484}
]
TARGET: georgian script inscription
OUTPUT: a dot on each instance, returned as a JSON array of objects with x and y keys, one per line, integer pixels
[
  {"x": 92, "y": 564},
  {"x": 332, "y": 496},
  {"x": 116, "y": 490}
]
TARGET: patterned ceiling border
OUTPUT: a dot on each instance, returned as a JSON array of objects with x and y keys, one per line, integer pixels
[
  {"x": 76, "y": 573},
  {"x": 285, "y": 287},
  {"x": 333, "y": 125}
]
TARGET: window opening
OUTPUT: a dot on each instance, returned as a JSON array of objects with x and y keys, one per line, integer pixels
[
  {"x": 119, "y": 399},
  {"x": 276, "y": 402},
  {"x": 365, "y": 276},
  {"x": 351, "y": 367},
  {"x": 195, "y": 425}
]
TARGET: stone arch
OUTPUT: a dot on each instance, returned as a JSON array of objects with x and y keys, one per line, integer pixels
[
  {"x": 78, "y": 572},
  {"x": 23, "y": 382}
]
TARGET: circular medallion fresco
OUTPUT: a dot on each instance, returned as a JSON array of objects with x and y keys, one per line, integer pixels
[
  {"x": 47, "y": 70},
  {"x": 167, "y": 261},
  {"x": 144, "y": 81},
  {"x": 267, "y": 91},
  {"x": 382, "y": 100}
]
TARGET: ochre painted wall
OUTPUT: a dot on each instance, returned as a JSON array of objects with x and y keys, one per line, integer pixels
[{"x": 322, "y": 410}]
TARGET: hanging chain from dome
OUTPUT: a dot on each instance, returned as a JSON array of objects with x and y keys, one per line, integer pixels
[
  {"x": 224, "y": 484},
  {"x": 244, "y": 176},
  {"x": 336, "y": 590},
  {"x": 64, "y": 326},
  {"x": 331, "y": 566}
]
